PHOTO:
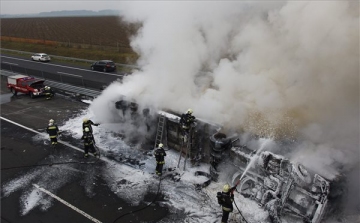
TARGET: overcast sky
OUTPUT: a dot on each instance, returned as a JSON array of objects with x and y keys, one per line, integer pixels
[{"x": 30, "y": 6}]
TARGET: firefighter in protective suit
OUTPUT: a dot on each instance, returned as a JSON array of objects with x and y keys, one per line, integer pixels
[
  {"x": 186, "y": 120},
  {"x": 49, "y": 93},
  {"x": 225, "y": 199},
  {"x": 88, "y": 123},
  {"x": 160, "y": 161},
  {"x": 53, "y": 132},
  {"x": 88, "y": 143}
]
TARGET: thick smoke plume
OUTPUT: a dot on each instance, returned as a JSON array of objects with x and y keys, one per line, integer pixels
[{"x": 288, "y": 69}]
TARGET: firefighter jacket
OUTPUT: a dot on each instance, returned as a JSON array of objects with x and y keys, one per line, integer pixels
[
  {"x": 49, "y": 92},
  {"x": 227, "y": 199},
  {"x": 159, "y": 155},
  {"x": 52, "y": 130},
  {"x": 88, "y": 124},
  {"x": 88, "y": 138},
  {"x": 186, "y": 120}
]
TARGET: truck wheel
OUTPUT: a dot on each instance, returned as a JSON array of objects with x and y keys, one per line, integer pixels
[
  {"x": 13, "y": 91},
  {"x": 32, "y": 95}
]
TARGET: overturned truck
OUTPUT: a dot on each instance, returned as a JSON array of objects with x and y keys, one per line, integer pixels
[
  {"x": 271, "y": 180},
  {"x": 280, "y": 186}
]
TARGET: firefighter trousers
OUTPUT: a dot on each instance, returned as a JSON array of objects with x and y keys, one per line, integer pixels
[
  {"x": 225, "y": 216},
  {"x": 159, "y": 167},
  {"x": 91, "y": 148},
  {"x": 53, "y": 140}
]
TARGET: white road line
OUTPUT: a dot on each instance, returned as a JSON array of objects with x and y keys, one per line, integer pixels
[
  {"x": 67, "y": 204},
  {"x": 41, "y": 133},
  {"x": 118, "y": 75},
  {"x": 70, "y": 74},
  {"x": 11, "y": 63}
]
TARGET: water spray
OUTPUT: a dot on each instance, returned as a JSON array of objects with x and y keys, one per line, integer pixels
[{"x": 264, "y": 142}]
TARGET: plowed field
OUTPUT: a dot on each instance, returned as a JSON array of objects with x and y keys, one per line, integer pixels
[{"x": 103, "y": 31}]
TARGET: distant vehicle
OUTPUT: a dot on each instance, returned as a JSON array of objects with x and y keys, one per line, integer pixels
[
  {"x": 41, "y": 57},
  {"x": 25, "y": 84},
  {"x": 104, "y": 65}
]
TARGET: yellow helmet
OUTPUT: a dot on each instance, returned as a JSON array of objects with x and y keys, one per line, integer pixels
[
  {"x": 85, "y": 119},
  {"x": 51, "y": 121},
  {"x": 190, "y": 111},
  {"x": 161, "y": 145},
  {"x": 226, "y": 188},
  {"x": 87, "y": 129}
]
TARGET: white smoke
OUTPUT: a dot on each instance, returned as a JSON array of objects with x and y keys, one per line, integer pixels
[{"x": 289, "y": 67}]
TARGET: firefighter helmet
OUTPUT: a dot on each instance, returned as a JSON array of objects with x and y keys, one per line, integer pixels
[
  {"x": 87, "y": 129},
  {"x": 46, "y": 87},
  {"x": 161, "y": 145},
  {"x": 190, "y": 111},
  {"x": 85, "y": 120},
  {"x": 51, "y": 121},
  {"x": 226, "y": 188}
]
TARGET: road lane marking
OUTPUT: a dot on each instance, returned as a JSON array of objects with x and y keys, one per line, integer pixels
[
  {"x": 70, "y": 74},
  {"x": 67, "y": 204},
  {"x": 41, "y": 133},
  {"x": 75, "y": 68},
  {"x": 11, "y": 63}
]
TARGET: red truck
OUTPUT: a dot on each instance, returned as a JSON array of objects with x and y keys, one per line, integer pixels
[{"x": 25, "y": 84}]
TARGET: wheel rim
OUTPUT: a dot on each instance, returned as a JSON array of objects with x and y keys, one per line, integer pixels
[{"x": 246, "y": 186}]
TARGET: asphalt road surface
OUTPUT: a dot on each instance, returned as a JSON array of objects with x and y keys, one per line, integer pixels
[
  {"x": 22, "y": 119},
  {"x": 75, "y": 75}
]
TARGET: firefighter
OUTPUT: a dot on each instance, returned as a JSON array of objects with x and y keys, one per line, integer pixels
[
  {"x": 88, "y": 142},
  {"x": 88, "y": 123},
  {"x": 159, "y": 156},
  {"x": 225, "y": 199},
  {"x": 53, "y": 132},
  {"x": 186, "y": 121},
  {"x": 49, "y": 93}
]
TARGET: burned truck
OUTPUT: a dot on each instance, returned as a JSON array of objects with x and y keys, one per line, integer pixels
[
  {"x": 276, "y": 184},
  {"x": 280, "y": 186}
]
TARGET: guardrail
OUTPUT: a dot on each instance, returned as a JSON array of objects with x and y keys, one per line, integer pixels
[
  {"x": 66, "y": 88},
  {"x": 67, "y": 58},
  {"x": 65, "y": 78}
]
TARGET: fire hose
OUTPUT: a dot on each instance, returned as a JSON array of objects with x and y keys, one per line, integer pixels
[{"x": 232, "y": 192}]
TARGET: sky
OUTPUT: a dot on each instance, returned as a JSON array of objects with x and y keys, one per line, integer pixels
[{"x": 31, "y": 7}]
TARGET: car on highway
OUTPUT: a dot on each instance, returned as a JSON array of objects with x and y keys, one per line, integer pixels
[
  {"x": 43, "y": 57},
  {"x": 103, "y": 65}
]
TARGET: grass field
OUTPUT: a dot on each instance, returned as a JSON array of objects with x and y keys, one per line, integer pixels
[{"x": 92, "y": 38}]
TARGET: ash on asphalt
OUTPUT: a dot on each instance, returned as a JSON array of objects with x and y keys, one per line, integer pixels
[{"x": 19, "y": 149}]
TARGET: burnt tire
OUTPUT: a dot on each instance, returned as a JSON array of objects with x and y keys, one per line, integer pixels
[{"x": 13, "y": 91}]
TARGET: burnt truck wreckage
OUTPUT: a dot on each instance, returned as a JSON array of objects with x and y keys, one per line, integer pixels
[{"x": 271, "y": 180}]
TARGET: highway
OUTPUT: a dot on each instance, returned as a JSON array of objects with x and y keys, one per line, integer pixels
[
  {"x": 60, "y": 72},
  {"x": 34, "y": 187}
]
